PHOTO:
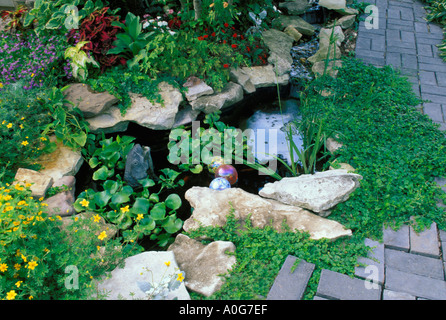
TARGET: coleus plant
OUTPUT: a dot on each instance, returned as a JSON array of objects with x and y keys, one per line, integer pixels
[{"x": 99, "y": 31}]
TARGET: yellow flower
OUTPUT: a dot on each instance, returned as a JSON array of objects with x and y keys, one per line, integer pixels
[
  {"x": 96, "y": 218},
  {"x": 25, "y": 143},
  {"x": 31, "y": 265},
  {"x": 43, "y": 138},
  {"x": 211, "y": 5},
  {"x": 167, "y": 263},
  {"x": 17, "y": 266},
  {"x": 9, "y": 125},
  {"x": 18, "y": 283},
  {"x": 102, "y": 235},
  {"x": 225, "y": 4},
  {"x": 139, "y": 217},
  {"x": 7, "y": 198},
  {"x": 84, "y": 203},
  {"x": 1, "y": 85},
  {"x": 180, "y": 277},
  {"x": 32, "y": 75},
  {"x": 31, "y": 297},
  {"x": 21, "y": 203},
  {"x": 11, "y": 295},
  {"x": 24, "y": 258},
  {"x": 125, "y": 209},
  {"x": 3, "y": 267}
]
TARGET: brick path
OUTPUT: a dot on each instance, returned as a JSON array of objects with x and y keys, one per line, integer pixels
[
  {"x": 405, "y": 40},
  {"x": 406, "y": 265}
]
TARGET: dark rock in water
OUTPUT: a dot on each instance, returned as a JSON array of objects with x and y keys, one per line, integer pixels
[{"x": 138, "y": 166}]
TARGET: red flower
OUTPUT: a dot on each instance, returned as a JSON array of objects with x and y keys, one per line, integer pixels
[
  {"x": 226, "y": 24},
  {"x": 200, "y": 38},
  {"x": 226, "y": 65},
  {"x": 223, "y": 31},
  {"x": 224, "y": 41},
  {"x": 233, "y": 46},
  {"x": 213, "y": 34},
  {"x": 234, "y": 35},
  {"x": 248, "y": 49},
  {"x": 242, "y": 37},
  {"x": 205, "y": 36}
]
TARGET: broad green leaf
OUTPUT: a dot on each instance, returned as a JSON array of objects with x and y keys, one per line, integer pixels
[
  {"x": 102, "y": 198},
  {"x": 172, "y": 224},
  {"x": 103, "y": 173},
  {"x": 111, "y": 186},
  {"x": 158, "y": 211},
  {"x": 141, "y": 206},
  {"x": 173, "y": 201},
  {"x": 122, "y": 196}
]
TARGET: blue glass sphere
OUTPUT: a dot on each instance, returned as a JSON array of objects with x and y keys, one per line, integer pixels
[{"x": 219, "y": 184}]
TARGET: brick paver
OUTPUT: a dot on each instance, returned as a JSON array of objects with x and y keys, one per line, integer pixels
[{"x": 406, "y": 41}]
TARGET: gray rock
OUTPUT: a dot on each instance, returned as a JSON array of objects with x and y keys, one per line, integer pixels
[
  {"x": 242, "y": 78},
  {"x": 279, "y": 44},
  {"x": 61, "y": 204},
  {"x": 196, "y": 88},
  {"x": 295, "y": 21},
  {"x": 63, "y": 161},
  {"x": 204, "y": 265},
  {"x": 90, "y": 103},
  {"x": 156, "y": 116},
  {"x": 394, "y": 295},
  {"x": 332, "y": 4},
  {"x": 122, "y": 283},
  {"x": 265, "y": 76},
  {"x": 295, "y": 7},
  {"x": 292, "y": 32},
  {"x": 231, "y": 94},
  {"x": 138, "y": 166},
  {"x": 211, "y": 208},
  {"x": 332, "y": 68},
  {"x": 40, "y": 182},
  {"x": 317, "y": 192}
]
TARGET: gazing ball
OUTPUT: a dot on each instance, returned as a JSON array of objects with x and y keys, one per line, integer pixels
[
  {"x": 219, "y": 184},
  {"x": 215, "y": 163},
  {"x": 228, "y": 172}
]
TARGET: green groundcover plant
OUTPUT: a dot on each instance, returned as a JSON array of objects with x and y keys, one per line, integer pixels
[{"x": 397, "y": 149}]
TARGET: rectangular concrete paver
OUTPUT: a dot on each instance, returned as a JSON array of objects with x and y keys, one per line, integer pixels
[
  {"x": 338, "y": 286},
  {"x": 375, "y": 259},
  {"x": 291, "y": 284},
  {"x": 416, "y": 285},
  {"x": 425, "y": 242},
  {"x": 397, "y": 239},
  {"x": 414, "y": 263}
]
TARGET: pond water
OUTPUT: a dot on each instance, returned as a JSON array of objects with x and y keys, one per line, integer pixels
[{"x": 266, "y": 112}]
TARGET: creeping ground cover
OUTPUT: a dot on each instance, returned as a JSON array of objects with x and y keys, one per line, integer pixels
[{"x": 396, "y": 149}]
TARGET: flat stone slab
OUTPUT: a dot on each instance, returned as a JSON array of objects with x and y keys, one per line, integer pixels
[
  {"x": 338, "y": 286},
  {"x": 416, "y": 285},
  {"x": 317, "y": 192},
  {"x": 290, "y": 285},
  {"x": 414, "y": 263},
  {"x": 374, "y": 261},
  {"x": 40, "y": 182},
  {"x": 425, "y": 242}
]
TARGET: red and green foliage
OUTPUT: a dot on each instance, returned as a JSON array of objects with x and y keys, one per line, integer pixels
[{"x": 97, "y": 28}]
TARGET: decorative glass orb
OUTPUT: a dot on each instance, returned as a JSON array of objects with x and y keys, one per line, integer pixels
[
  {"x": 219, "y": 184},
  {"x": 228, "y": 172},
  {"x": 215, "y": 163}
]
